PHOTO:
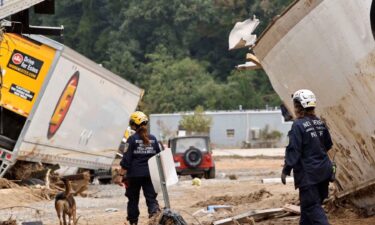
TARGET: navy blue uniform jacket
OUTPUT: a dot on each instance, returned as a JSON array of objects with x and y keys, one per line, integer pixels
[
  {"x": 136, "y": 155},
  {"x": 306, "y": 152}
]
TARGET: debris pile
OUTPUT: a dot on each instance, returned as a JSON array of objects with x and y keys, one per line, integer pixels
[
  {"x": 24, "y": 170},
  {"x": 169, "y": 217},
  {"x": 42, "y": 181},
  {"x": 10, "y": 221},
  {"x": 4, "y": 184},
  {"x": 235, "y": 200},
  {"x": 252, "y": 216}
]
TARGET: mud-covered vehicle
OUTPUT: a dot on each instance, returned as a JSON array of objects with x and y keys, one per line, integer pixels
[{"x": 193, "y": 156}]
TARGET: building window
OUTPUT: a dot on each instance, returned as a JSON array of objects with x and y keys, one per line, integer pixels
[{"x": 230, "y": 133}]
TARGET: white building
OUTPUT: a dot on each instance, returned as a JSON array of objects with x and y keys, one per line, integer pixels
[{"x": 229, "y": 129}]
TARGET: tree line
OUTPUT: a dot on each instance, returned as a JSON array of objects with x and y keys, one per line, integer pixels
[{"x": 177, "y": 51}]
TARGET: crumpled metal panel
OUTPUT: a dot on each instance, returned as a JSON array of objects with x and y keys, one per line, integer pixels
[{"x": 327, "y": 46}]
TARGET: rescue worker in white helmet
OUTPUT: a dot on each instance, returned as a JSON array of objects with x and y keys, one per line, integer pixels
[
  {"x": 134, "y": 172},
  {"x": 306, "y": 155}
]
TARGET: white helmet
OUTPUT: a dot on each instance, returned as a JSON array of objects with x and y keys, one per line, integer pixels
[{"x": 305, "y": 97}]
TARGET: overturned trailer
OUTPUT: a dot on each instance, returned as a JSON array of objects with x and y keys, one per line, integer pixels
[
  {"x": 58, "y": 107},
  {"x": 328, "y": 46}
]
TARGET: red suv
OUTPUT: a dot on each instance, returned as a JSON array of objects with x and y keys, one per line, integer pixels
[{"x": 192, "y": 156}]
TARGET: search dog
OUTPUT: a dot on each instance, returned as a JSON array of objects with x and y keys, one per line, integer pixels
[{"x": 65, "y": 205}]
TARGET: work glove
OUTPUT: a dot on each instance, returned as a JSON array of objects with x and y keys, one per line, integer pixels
[{"x": 283, "y": 178}]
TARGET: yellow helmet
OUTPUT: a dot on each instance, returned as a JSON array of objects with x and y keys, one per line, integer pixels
[{"x": 138, "y": 118}]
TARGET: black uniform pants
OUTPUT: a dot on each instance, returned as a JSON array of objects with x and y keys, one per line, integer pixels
[
  {"x": 132, "y": 193},
  {"x": 311, "y": 198}
]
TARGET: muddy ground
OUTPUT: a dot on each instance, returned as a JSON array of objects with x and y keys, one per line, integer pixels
[{"x": 238, "y": 183}]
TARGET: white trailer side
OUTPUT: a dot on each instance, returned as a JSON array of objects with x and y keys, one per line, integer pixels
[
  {"x": 327, "y": 46},
  {"x": 92, "y": 121}
]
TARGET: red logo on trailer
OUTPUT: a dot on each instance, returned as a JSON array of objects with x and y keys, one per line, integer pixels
[
  {"x": 63, "y": 105},
  {"x": 17, "y": 58}
]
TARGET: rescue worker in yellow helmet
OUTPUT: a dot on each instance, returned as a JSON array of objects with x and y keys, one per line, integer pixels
[{"x": 139, "y": 148}]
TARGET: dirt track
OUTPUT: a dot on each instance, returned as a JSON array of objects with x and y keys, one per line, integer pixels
[{"x": 244, "y": 194}]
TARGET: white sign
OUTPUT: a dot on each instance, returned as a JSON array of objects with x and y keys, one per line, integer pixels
[{"x": 168, "y": 167}]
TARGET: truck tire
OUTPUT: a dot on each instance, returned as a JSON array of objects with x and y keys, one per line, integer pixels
[
  {"x": 193, "y": 157},
  {"x": 7, "y": 143},
  {"x": 210, "y": 174}
]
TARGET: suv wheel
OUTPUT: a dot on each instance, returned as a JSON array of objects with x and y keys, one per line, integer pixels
[
  {"x": 193, "y": 157},
  {"x": 210, "y": 174}
]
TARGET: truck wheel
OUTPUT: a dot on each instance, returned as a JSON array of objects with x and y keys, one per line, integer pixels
[
  {"x": 210, "y": 174},
  {"x": 193, "y": 157}
]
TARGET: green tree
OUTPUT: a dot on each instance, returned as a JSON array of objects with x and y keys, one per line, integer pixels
[
  {"x": 197, "y": 123},
  {"x": 173, "y": 85},
  {"x": 177, "y": 51},
  {"x": 251, "y": 89}
]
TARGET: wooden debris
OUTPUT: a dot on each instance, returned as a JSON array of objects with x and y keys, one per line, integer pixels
[
  {"x": 357, "y": 188},
  {"x": 285, "y": 214},
  {"x": 47, "y": 180},
  {"x": 33, "y": 223},
  {"x": 256, "y": 214},
  {"x": 292, "y": 208}
]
